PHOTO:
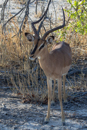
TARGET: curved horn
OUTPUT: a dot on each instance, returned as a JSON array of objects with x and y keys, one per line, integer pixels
[
  {"x": 35, "y": 22},
  {"x": 56, "y": 28}
]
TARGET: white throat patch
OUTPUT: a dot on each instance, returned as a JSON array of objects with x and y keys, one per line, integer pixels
[{"x": 38, "y": 57}]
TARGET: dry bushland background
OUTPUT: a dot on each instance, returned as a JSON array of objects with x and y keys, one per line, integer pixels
[{"x": 25, "y": 77}]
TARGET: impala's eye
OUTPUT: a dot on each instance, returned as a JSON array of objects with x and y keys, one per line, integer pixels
[{"x": 41, "y": 46}]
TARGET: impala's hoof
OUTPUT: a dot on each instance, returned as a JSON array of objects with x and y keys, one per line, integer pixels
[
  {"x": 46, "y": 120},
  {"x": 52, "y": 103},
  {"x": 63, "y": 123}
]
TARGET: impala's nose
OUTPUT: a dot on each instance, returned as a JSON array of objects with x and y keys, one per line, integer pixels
[{"x": 32, "y": 57}]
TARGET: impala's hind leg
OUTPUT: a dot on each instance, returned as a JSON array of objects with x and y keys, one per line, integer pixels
[
  {"x": 60, "y": 99},
  {"x": 53, "y": 93},
  {"x": 64, "y": 92}
]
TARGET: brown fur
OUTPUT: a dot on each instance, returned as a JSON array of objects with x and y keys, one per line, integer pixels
[{"x": 59, "y": 56}]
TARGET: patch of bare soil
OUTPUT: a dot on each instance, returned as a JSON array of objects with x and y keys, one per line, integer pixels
[{"x": 14, "y": 115}]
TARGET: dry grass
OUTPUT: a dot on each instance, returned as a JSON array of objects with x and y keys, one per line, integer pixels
[
  {"x": 26, "y": 76},
  {"x": 21, "y": 1},
  {"x": 23, "y": 74}
]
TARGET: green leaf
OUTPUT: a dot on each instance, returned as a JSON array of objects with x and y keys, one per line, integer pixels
[
  {"x": 75, "y": 3},
  {"x": 70, "y": 1}
]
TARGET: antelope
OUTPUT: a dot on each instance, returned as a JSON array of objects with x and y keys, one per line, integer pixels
[{"x": 54, "y": 64}]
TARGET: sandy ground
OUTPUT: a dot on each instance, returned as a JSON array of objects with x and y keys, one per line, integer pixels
[{"x": 15, "y": 115}]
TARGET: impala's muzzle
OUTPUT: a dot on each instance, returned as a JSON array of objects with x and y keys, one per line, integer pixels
[{"x": 32, "y": 58}]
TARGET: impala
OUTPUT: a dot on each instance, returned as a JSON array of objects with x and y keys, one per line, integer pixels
[{"x": 54, "y": 64}]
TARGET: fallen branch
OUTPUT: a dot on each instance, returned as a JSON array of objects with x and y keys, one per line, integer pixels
[{"x": 76, "y": 71}]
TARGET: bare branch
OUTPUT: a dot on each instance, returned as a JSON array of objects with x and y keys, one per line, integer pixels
[
  {"x": 36, "y": 6},
  {"x": 3, "y": 9},
  {"x": 32, "y": 1},
  {"x": 12, "y": 18},
  {"x": 25, "y": 16}
]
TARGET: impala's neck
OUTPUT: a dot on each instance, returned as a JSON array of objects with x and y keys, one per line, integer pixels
[
  {"x": 44, "y": 54},
  {"x": 44, "y": 58}
]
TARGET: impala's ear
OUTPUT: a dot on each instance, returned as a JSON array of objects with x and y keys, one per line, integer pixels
[
  {"x": 30, "y": 37},
  {"x": 50, "y": 39}
]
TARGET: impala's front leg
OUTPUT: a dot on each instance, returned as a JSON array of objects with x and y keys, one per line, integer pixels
[{"x": 49, "y": 84}]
